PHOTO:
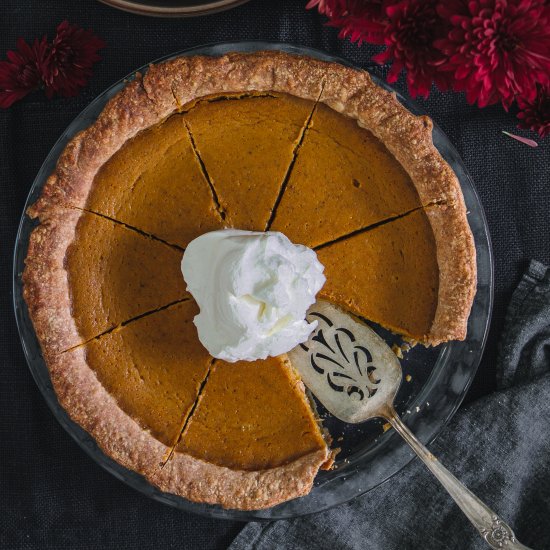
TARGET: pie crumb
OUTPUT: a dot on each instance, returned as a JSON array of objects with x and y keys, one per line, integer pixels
[{"x": 397, "y": 350}]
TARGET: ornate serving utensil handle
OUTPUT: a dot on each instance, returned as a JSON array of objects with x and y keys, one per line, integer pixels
[
  {"x": 355, "y": 375},
  {"x": 491, "y": 527}
]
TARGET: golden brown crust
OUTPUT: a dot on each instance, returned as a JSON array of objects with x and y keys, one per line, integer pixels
[
  {"x": 146, "y": 101},
  {"x": 45, "y": 282},
  {"x": 88, "y": 404},
  {"x": 456, "y": 258},
  {"x": 176, "y": 83},
  {"x": 202, "y": 481}
]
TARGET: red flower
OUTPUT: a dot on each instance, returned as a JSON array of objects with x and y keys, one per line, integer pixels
[
  {"x": 62, "y": 66},
  {"x": 409, "y": 36},
  {"x": 360, "y": 20},
  {"x": 21, "y": 73},
  {"x": 72, "y": 55},
  {"x": 535, "y": 113},
  {"x": 498, "y": 49}
]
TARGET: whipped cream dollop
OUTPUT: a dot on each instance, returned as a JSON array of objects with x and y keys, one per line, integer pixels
[{"x": 253, "y": 290}]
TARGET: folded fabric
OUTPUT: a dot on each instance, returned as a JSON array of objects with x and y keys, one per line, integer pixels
[{"x": 498, "y": 446}]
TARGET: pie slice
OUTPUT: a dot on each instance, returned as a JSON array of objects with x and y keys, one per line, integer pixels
[
  {"x": 86, "y": 275},
  {"x": 344, "y": 179},
  {"x": 247, "y": 145},
  {"x": 134, "y": 387},
  {"x": 155, "y": 183},
  {"x": 402, "y": 277},
  {"x": 252, "y": 431}
]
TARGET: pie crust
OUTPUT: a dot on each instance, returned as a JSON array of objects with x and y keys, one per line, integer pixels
[{"x": 147, "y": 100}]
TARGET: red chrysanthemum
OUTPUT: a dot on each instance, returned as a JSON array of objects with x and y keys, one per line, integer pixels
[
  {"x": 498, "y": 49},
  {"x": 21, "y": 75},
  {"x": 534, "y": 112},
  {"x": 360, "y": 20},
  {"x": 412, "y": 27},
  {"x": 72, "y": 55}
]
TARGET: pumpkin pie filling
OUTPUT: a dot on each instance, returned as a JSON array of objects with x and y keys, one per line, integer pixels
[
  {"x": 344, "y": 179},
  {"x": 154, "y": 367},
  {"x": 247, "y": 145}
]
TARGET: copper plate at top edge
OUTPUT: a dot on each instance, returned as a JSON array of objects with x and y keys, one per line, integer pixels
[{"x": 152, "y": 10}]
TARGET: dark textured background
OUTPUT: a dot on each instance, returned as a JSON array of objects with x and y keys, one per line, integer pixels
[{"x": 51, "y": 494}]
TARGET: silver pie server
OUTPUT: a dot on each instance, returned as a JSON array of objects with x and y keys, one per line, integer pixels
[{"x": 355, "y": 375}]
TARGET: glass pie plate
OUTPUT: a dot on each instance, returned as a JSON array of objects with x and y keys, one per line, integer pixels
[{"x": 428, "y": 398}]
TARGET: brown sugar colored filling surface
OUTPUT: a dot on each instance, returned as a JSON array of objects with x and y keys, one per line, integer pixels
[{"x": 125, "y": 359}]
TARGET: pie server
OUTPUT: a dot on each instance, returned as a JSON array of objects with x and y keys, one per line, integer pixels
[{"x": 355, "y": 375}]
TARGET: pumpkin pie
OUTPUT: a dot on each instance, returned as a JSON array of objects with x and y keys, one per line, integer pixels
[
  {"x": 141, "y": 364},
  {"x": 356, "y": 184},
  {"x": 254, "y": 141},
  {"x": 145, "y": 373}
]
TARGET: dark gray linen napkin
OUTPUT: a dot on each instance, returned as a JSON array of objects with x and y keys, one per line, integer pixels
[{"x": 498, "y": 446}]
